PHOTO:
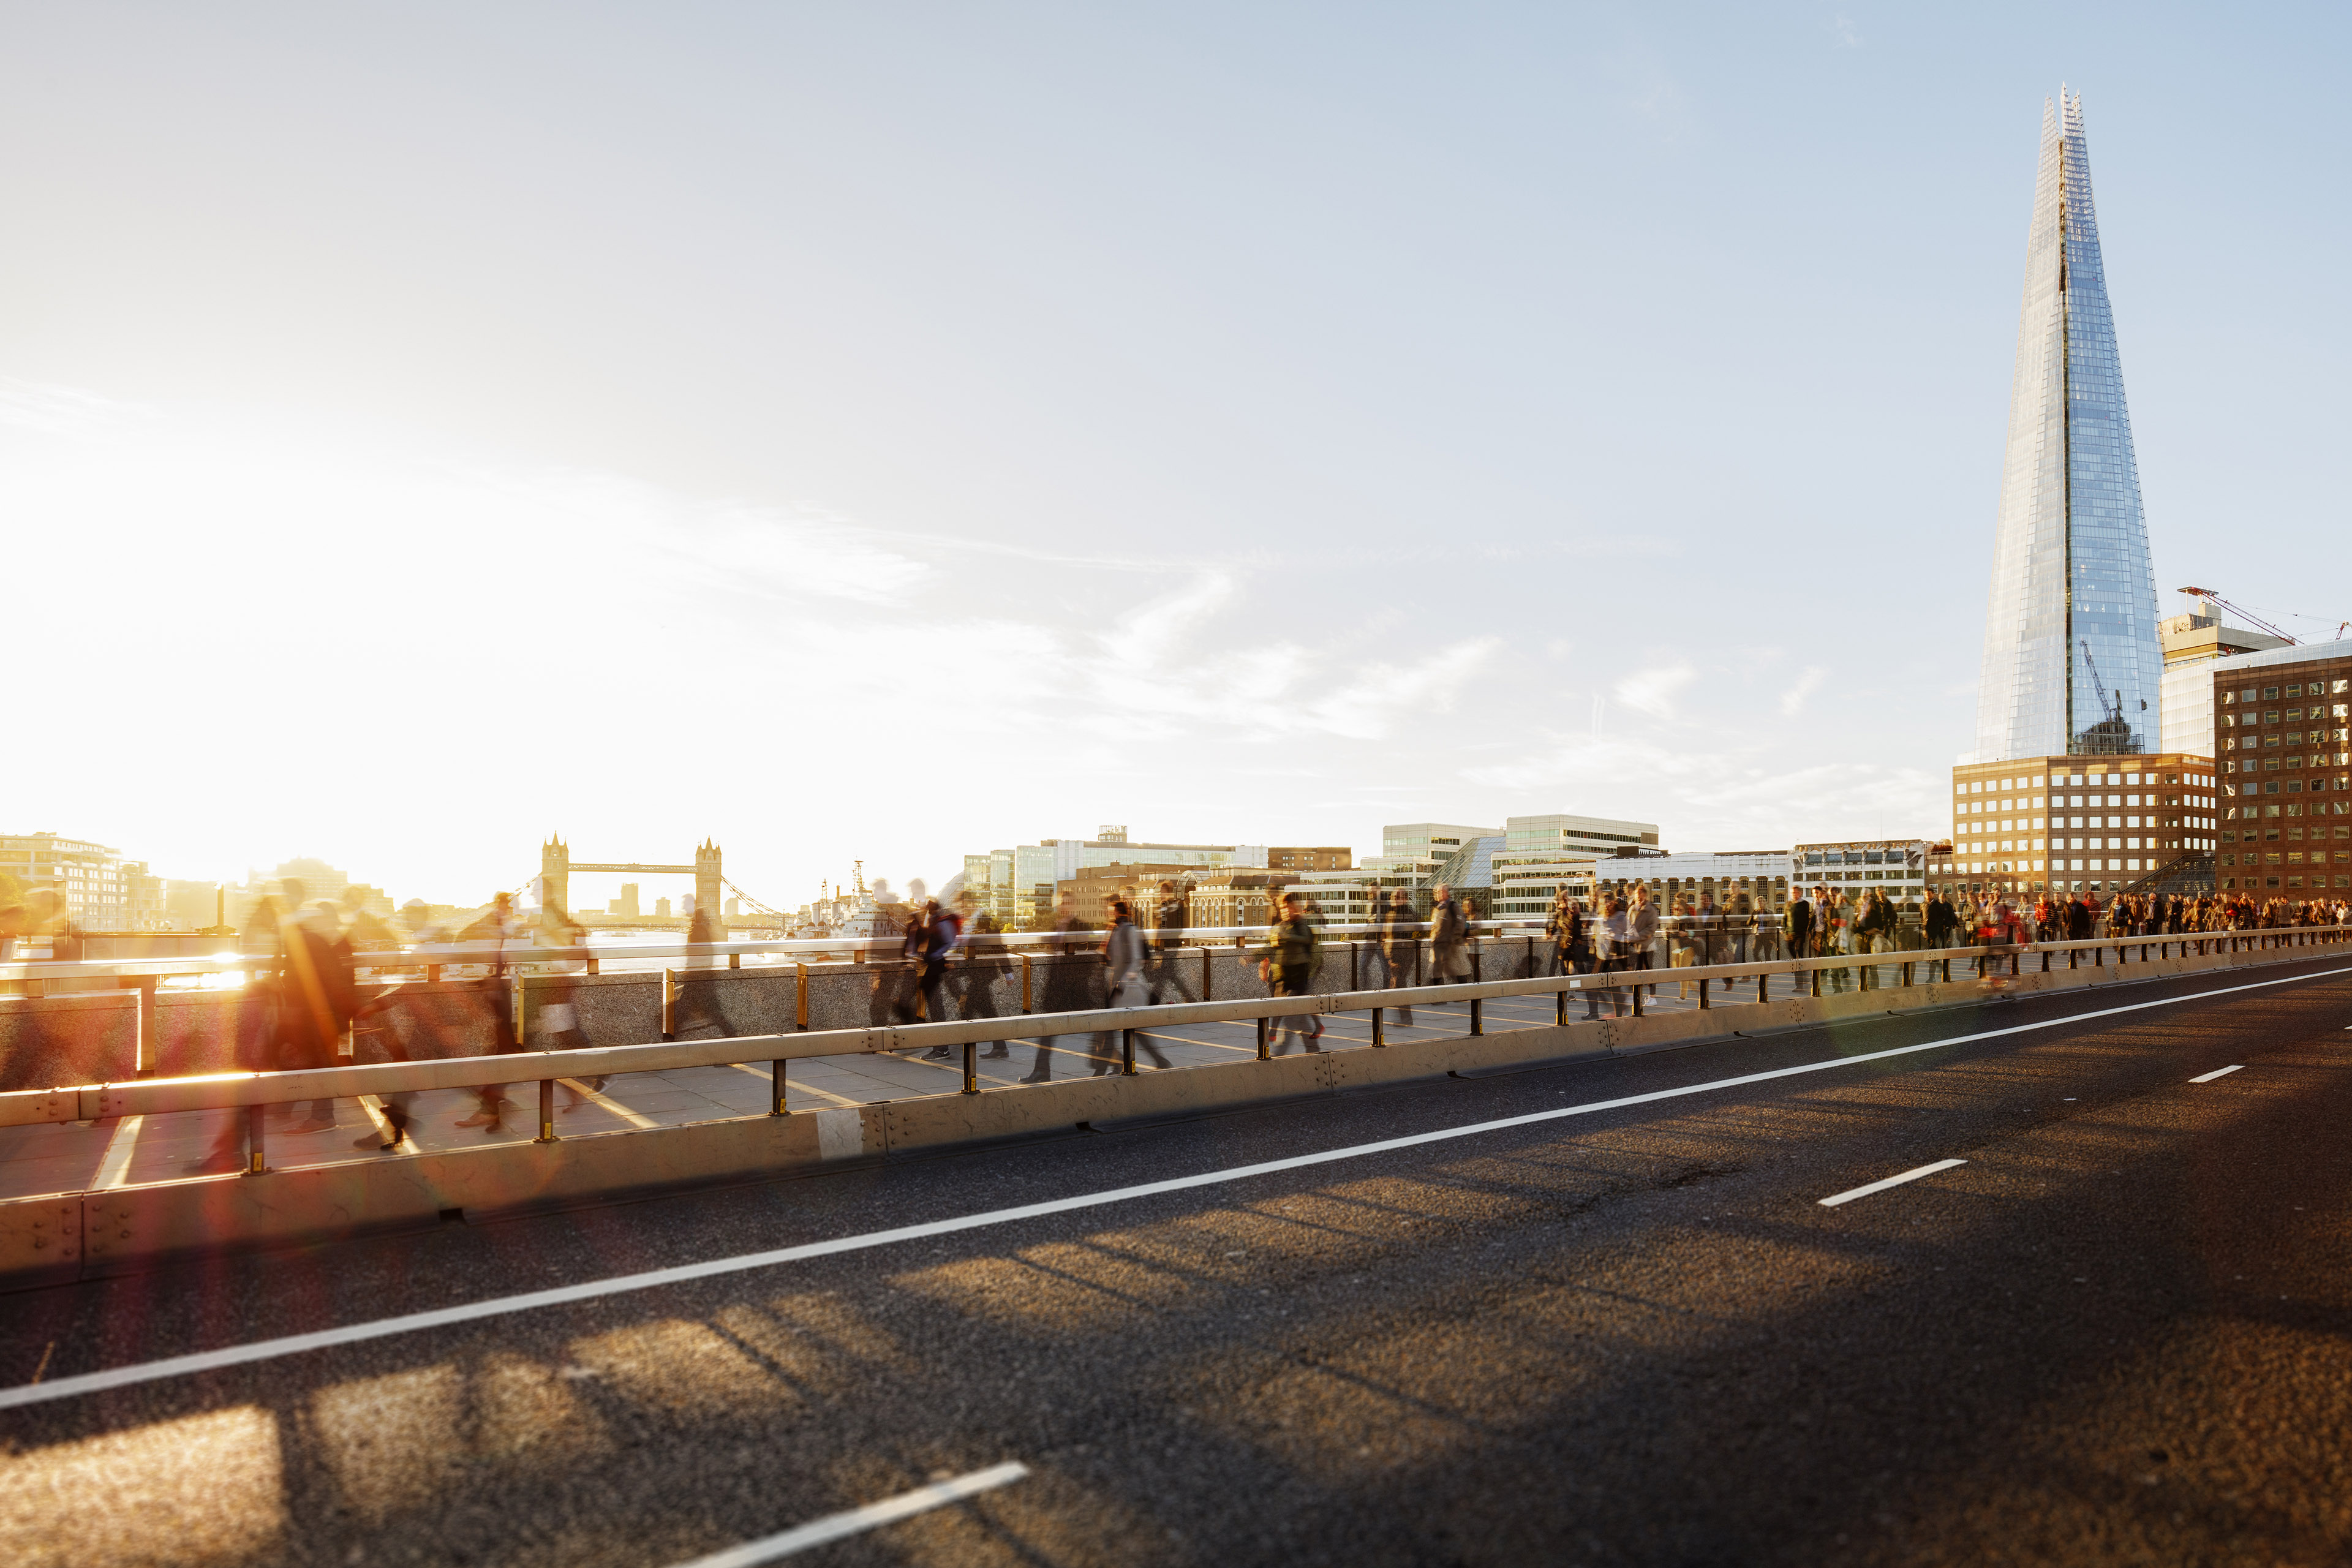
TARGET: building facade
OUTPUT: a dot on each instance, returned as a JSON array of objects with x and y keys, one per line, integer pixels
[
  {"x": 98, "y": 888},
  {"x": 2075, "y": 824},
  {"x": 1895, "y": 867},
  {"x": 2284, "y": 722},
  {"x": 1740, "y": 881},
  {"x": 2072, "y": 665},
  {"x": 2194, "y": 640}
]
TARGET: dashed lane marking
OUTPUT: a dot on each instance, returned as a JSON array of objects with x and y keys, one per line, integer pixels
[
  {"x": 1867, "y": 1188},
  {"x": 857, "y": 1521},
  {"x": 499, "y": 1306},
  {"x": 2217, "y": 1072}
]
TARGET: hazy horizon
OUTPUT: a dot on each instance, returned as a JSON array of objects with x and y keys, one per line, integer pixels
[{"x": 895, "y": 433}]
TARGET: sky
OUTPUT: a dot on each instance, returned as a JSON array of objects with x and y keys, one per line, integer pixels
[{"x": 884, "y": 432}]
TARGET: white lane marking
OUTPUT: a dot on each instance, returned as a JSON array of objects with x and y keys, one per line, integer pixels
[
  {"x": 1869, "y": 1187},
  {"x": 2217, "y": 1072},
  {"x": 857, "y": 1521},
  {"x": 114, "y": 1168},
  {"x": 499, "y": 1306}
]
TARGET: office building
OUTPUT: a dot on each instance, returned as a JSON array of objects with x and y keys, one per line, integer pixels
[
  {"x": 99, "y": 890},
  {"x": 1740, "y": 881},
  {"x": 1019, "y": 885},
  {"x": 2192, "y": 641},
  {"x": 2075, "y": 824},
  {"x": 1895, "y": 867},
  {"x": 2284, "y": 721},
  {"x": 2072, "y": 664}
]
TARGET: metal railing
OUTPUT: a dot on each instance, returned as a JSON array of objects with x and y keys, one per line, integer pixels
[{"x": 252, "y": 1092}]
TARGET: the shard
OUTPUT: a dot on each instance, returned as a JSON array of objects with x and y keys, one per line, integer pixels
[{"x": 2072, "y": 661}]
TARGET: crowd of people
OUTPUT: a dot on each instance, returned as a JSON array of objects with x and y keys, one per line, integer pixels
[{"x": 302, "y": 1007}]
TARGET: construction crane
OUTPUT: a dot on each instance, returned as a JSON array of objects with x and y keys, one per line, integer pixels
[
  {"x": 2244, "y": 613},
  {"x": 2113, "y": 715}
]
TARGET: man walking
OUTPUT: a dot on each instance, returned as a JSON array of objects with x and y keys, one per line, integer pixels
[
  {"x": 1168, "y": 922},
  {"x": 1449, "y": 936},
  {"x": 1288, "y": 965},
  {"x": 1400, "y": 949}
]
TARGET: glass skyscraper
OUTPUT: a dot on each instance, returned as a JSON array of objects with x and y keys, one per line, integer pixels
[{"x": 2072, "y": 662}]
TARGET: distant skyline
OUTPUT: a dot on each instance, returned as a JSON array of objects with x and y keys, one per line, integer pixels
[{"x": 890, "y": 433}]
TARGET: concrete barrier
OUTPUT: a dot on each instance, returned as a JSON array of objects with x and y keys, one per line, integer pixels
[{"x": 74, "y": 1236}]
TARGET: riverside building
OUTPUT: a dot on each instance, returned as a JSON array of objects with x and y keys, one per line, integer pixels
[
  {"x": 2073, "y": 823},
  {"x": 2284, "y": 723}
]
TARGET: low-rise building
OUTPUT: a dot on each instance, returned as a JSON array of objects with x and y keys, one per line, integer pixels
[
  {"x": 2075, "y": 824},
  {"x": 1739, "y": 881},
  {"x": 1895, "y": 867},
  {"x": 99, "y": 890}
]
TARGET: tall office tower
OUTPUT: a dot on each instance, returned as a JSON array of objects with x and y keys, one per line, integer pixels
[{"x": 2072, "y": 664}]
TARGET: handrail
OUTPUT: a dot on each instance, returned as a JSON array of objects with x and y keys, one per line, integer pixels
[
  {"x": 522, "y": 954},
  {"x": 219, "y": 1091}
]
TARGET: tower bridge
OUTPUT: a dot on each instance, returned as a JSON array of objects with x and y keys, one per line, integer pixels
[{"x": 556, "y": 866}]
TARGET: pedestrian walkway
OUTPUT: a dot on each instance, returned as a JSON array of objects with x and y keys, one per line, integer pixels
[{"x": 117, "y": 1152}]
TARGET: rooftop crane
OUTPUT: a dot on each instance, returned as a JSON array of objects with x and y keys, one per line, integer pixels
[
  {"x": 2242, "y": 613},
  {"x": 2113, "y": 715}
]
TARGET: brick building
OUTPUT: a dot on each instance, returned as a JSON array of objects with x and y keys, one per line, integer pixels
[{"x": 2281, "y": 722}]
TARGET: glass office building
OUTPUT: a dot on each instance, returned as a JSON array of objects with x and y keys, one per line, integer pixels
[{"x": 2072, "y": 664}]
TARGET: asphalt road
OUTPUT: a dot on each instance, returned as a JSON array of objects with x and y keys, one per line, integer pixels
[{"x": 2121, "y": 1331}]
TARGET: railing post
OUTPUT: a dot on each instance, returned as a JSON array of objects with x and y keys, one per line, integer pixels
[
  {"x": 1261, "y": 1053},
  {"x": 1559, "y": 1006},
  {"x": 1763, "y": 986},
  {"x": 255, "y": 1162},
  {"x": 1025, "y": 983},
  {"x": 970, "y": 1066},
  {"x": 1704, "y": 1005},
  {"x": 546, "y": 1111},
  {"x": 1816, "y": 980},
  {"x": 800, "y": 1003},
  {"x": 1126, "y": 1053},
  {"x": 1379, "y": 1038},
  {"x": 1637, "y": 998},
  {"x": 776, "y": 1086},
  {"x": 669, "y": 1001},
  {"x": 1477, "y": 1017}
]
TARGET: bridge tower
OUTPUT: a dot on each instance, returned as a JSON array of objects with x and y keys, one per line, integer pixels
[
  {"x": 707, "y": 884},
  {"x": 555, "y": 874}
]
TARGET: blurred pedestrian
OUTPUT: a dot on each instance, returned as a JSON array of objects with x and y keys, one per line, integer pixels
[
  {"x": 1400, "y": 950},
  {"x": 1449, "y": 939},
  {"x": 1288, "y": 965},
  {"x": 496, "y": 927},
  {"x": 1169, "y": 920},
  {"x": 1124, "y": 977},
  {"x": 1068, "y": 985}
]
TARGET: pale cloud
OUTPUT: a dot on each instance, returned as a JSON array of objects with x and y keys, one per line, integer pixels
[
  {"x": 1841, "y": 28},
  {"x": 1793, "y": 701},
  {"x": 1652, "y": 691},
  {"x": 1367, "y": 707}
]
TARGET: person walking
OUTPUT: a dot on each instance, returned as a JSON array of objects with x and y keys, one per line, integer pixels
[
  {"x": 1400, "y": 949},
  {"x": 1068, "y": 985},
  {"x": 1169, "y": 921},
  {"x": 321, "y": 993},
  {"x": 1578, "y": 952},
  {"x": 1797, "y": 920},
  {"x": 1288, "y": 965},
  {"x": 1449, "y": 939},
  {"x": 1642, "y": 930},
  {"x": 1610, "y": 950},
  {"x": 497, "y": 926},
  {"x": 1123, "y": 969}
]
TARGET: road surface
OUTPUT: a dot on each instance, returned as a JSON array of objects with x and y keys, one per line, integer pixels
[{"x": 1622, "y": 1327}]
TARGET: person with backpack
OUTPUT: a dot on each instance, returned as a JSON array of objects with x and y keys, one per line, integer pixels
[{"x": 1288, "y": 965}]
